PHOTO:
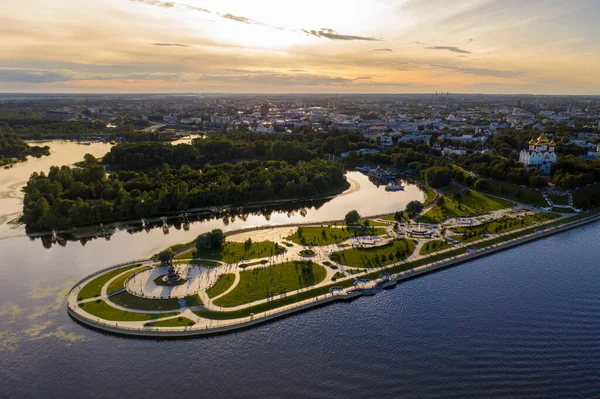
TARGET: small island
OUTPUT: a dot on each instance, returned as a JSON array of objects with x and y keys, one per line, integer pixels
[{"x": 13, "y": 149}]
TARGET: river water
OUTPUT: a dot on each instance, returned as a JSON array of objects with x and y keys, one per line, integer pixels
[{"x": 521, "y": 323}]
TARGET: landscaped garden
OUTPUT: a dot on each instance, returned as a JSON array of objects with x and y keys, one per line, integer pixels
[
  {"x": 330, "y": 235},
  {"x": 270, "y": 281},
  {"x": 223, "y": 283},
  {"x": 174, "y": 322},
  {"x": 465, "y": 203},
  {"x": 393, "y": 252},
  {"x": 434, "y": 246},
  {"x": 500, "y": 226},
  {"x": 232, "y": 252},
  {"x": 119, "y": 282},
  {"x": 94, "y": 287},
  {"x": 128, "y": 300},
  {"x": 101, "y": 309}
]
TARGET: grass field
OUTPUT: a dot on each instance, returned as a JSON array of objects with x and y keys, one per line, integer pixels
[
  {"x": 175, "y": 322},
  {"x": 94, "y": 287},
  {"x": 516, "y": 193},
  {"x": 337, "y": 275},
  {"x": 223, "y": 283},
  {"x": 507, "y": 237},
  {"x": 193, "y": 300},
  {"x": 375, "y": 257},
  {"x": 101, "y": 309},
  {"x": 233, "y": 252},
  {"x": 430, "y": 195},
  {"x": 330, "y": 235},
  {"x": 416, "y": 263},
  {"x": 127, "y": 300},
  {"x": 468, "y": 234},
  {"x": 433, "y": 246},
  {"x": 119, "y": 282},
  {"x": 191, "y": 261},
  {"x": 471, "y": 203},
  {"x": 274, "y": 304},
  {"x": 273, "y": 280}
]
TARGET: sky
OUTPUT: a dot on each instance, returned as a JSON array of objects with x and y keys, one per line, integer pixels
[{"x": 308, "y": 46}]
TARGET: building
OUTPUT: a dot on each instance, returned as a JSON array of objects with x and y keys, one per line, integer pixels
[
  {"x": 264, "y": 109},
  {"x": 386, "y": 141},
  {"x": 541, "y": 154}
]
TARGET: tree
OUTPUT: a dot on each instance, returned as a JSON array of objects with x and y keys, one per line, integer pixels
[
  {"x": 352, "y": 217},
  {"x": 482, "y": 185},
  {"x": 212, "y": 240},
  {"x": 438, "y": 176},
  {"x": 399, "y": 215},
  {"x": 248, "y": 243},
  {"x": 414, "y": 207},
  {"x": 166, "y": 256}
]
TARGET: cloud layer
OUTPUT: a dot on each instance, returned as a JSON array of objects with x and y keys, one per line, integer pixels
[{"x": 333, "y": 35}]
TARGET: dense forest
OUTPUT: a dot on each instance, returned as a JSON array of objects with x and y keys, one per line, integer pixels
[
  {"x": 12, "y": 147},
  {"x": 44, "y": 128},
  {"x": 302, "y": 145},
  {"x": 87, "y": 195}
]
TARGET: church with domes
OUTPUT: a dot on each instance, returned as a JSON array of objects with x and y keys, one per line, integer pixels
[{"x": 541, "y": 154}]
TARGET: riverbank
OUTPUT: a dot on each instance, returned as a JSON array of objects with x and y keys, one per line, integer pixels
[{"x": 209, "y": 327}]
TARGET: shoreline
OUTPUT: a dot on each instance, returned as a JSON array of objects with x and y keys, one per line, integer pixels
[{"x": 300, "y": 306}]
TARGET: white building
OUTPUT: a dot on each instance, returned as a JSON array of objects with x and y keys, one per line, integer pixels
[
  {"x": 541, "y": 154},
  {"x": 447, "y": 151},
  {"x": 386, "y": 141}
]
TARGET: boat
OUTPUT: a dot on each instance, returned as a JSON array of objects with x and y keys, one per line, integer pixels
[{"x": 394, "y": 187}]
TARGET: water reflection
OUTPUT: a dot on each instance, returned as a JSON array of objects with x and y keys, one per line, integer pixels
[{"x": 363, "y": 195}]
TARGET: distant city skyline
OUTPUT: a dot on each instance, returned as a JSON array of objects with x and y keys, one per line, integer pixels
[{"x": 383, "y": 46}]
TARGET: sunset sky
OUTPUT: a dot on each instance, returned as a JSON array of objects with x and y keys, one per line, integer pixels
[{"x": 346, "y": 46}]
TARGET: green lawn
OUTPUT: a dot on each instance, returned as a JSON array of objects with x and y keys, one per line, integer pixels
[
  {"x": 330, "y": 235},
  {"x": 119, "y": 282},
  {"x": 94, "y": 287},
  {"x": 223, "y": 283},
  {"x": 233, "y": 252},
  {"x": 274, "y": 304},
  {"x": 433, "y": 246},
  {"x": 374, "y": 223},
  {"x": 430, "y": 195},
  {"x": 507, "y": 237},
  {"x": 469, "y": 234},
  {"x": 273, "y": 280},
  {"x": 127, "y": 300},
  {"x": 101, "y": 309},
  {"x": 191, "y": 261},
  {"x": 193, "y": 300},
  {"x": 470, "y": 203},
  {"x": 516, "y": 193},
  {"x": 416, "y": 263},
  {"x": 337, "y": 276},
  {"x": 176, "y": 322},
  {"x": 375, "y": 257}
]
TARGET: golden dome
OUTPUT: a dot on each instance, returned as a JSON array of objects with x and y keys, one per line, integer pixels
[
  {"x": 532, "y": 142},
  {"x": 552, "y": 143},
  {"x": 542, "y": 139}
]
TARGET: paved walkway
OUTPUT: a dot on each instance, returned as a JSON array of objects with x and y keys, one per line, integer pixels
[{"x": 200, "y": 278}]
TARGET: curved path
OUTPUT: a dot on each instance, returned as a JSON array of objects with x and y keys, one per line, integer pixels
[{"x": 204, "y": 277}]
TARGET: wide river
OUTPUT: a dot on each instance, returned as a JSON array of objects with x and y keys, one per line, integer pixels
[{"x": 521, "y": 323}]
